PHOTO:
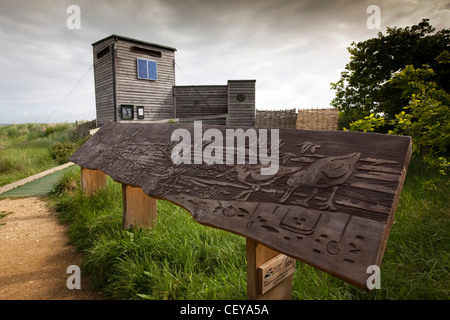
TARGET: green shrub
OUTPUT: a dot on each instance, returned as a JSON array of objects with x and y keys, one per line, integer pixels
[
  {"x": 62, "y": 151},
  {"x": 426, "y": 117},
  {"x": 370, "y": 123}
]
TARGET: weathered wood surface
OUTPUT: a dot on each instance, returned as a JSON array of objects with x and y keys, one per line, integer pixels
[
  {"x": 92, "y": 180},
  {"x": 191, "y": 101},
  {"x": 138, "y": 208},
  {"x": 331, "y": 204},
  {"x": 116, "y": 81}
]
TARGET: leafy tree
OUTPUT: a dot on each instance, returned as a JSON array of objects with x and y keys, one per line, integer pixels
[
  {"x": 367, "y": 124},
  {"x": 364, "y": 86},
  {"x": 426, "y": 117}
]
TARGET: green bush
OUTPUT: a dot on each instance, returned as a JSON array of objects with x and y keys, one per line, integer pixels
[
  {"x": 62, "y": 151},
  {"x": 426, "y": 117},
  {"x": 369, "y": 123}
]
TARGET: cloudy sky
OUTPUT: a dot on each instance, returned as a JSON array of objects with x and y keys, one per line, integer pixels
[{"x": 294, "y": 49}]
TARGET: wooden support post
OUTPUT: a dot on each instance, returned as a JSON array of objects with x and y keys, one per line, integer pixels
[
  {"x": 92, "y": 180},
  {"x": 257, "y": 255},
  {"x": 138, "y": 208}
]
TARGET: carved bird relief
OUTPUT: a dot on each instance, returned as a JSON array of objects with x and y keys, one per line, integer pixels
[
  {"x": 323, "y": 173},
  {"x": 250, "y": 176}
]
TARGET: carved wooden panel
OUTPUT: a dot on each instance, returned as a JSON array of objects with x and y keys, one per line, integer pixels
[{"x": 330, "y": 203}]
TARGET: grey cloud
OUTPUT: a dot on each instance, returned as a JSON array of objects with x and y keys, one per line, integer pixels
[{"x": 292, "y": 48}]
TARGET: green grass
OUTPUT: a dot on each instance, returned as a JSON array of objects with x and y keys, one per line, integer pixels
[
  {"x": 25, "y": 148},
  {"x": 178, "y": 259},
  {"x": 181, "y": 259}
]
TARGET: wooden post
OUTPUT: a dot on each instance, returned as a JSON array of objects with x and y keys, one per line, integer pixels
[
  {"x": 138, "y": 208},
  {"x": 92, "y": 180},
  {"x": 257, "y": 255}
]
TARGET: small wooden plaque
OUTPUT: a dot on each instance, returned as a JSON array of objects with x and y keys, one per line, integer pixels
[{"x": 275, "y": 271}]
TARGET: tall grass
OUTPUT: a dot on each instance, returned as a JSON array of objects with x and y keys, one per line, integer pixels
[
  {"x": 25, "y": 148},
  {"x": 177, "y": 259},
  {"x": 181, "y": 259}
]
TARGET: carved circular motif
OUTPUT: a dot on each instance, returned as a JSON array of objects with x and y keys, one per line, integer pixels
[
  {"x": 241, "y": 97},
  {"x": 229, "y": 211},
  {"x": 332, "y": 247}
]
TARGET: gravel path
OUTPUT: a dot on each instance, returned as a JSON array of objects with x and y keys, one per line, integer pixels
[{"x": 34, "y": 254}]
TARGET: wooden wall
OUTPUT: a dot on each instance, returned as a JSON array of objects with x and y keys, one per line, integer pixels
[
  {"x": 194, "y": 101},
  {"x": 116, "y": 80},
  {"x": 116, "y": 84},
  {"x": 155, "y": 95},
  {"x": 237, "y": 99},
  {"x": 103, "y": 79},
  {"x": 241, "y": 103}
]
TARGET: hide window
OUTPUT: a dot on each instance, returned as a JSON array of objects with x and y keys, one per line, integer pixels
[
  {"x": 127, "y": 112},
  {"x": 149, "y": 52},
  {"x": 103, "y": 52},
  {"x": 146, "y": 69},
  {"x": 140, "y": 112}
]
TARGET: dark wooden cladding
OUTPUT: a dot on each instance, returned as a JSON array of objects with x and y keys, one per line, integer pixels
[
  {"x": 104, "y": 84},
  {"x": 193, "y": 101},
  {"x": 155, "y": 96},
  {"x": 330, "y": 204},
  {"x": 116, "y": 80},
  {"x": 236, "y": 99},
  {"x": 152, "y": 53},
  {"x": 241, "y": 103},
  {"x": 117, "y": 83}
]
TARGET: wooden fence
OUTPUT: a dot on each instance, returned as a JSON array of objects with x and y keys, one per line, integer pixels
[
  {"x": 84, "y": 127},
  {"x": 305, "y": 119},
  {"x": 317, "y": 119},
  {"x": 285, "y": 119}
]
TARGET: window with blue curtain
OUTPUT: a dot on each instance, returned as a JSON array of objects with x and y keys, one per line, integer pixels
[{"x": 146, "y": 69}]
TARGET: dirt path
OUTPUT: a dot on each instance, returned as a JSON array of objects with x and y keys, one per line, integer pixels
[{"x": 34, "y": 254}]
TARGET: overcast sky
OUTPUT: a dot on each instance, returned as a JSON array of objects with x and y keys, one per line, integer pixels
[{"x": 293, "y": 49}]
